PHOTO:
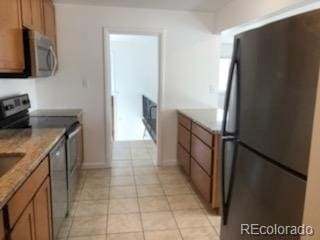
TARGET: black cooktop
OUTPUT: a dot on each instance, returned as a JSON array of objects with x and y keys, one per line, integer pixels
[
  {"x": 14, "y": 113},
  {"x": 26, "y": 121}
]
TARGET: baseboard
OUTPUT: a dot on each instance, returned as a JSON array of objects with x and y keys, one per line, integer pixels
[{"x": 94, "y": 165}]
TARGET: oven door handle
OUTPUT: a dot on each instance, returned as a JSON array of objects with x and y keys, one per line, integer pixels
[
  {"x": 55, "y": 65},
  {"x": 71, "y": 136},
  {"x": 75, "y": 132}
]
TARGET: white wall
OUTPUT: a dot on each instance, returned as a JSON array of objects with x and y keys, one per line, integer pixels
[
  {"x": 238, "y": 12},
  {"x": 191, "y": 66},
  {"x": 135, "y": 72},
  {"x": 19, "y": 86}
]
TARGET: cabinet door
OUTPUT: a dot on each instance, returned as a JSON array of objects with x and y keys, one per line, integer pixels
[
  {"x": 42, "y": 212},
  {"x": 11, "y": 39},
  {"x": 184, "y": 137},
  {"x": 2, "y": 230},
  {"x": 32, "y": 14},
  {"x": 49, "y": 19},
  {"x": 24, "y": 228},
  {"x": 184, "y": 159},
  {"x": 26, "y": 7},
  {"x": 37, "y": 15}
]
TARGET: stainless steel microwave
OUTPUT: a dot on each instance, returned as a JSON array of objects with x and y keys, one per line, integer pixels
[{"x": 43, "y": 59}]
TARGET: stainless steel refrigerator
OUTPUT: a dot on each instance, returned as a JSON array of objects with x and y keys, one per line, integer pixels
[{"x": 267, "y": 126}]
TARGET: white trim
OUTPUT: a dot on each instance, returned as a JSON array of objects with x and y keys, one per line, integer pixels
[{"x": 161, "y": 33}]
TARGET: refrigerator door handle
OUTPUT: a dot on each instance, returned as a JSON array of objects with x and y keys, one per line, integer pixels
[
  {"x": 226, "y": 194},
  {"x": 231, "y": 79}
]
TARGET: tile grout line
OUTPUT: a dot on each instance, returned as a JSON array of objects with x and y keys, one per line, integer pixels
[
  {"x": 139, "y": 207},
  {"x": 108, "y": 208},
  {"x": 76, "y": 208},
  {"x": 171, "y": 210}
]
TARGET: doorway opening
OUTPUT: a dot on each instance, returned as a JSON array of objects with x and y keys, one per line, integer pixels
[{"x": 134, "y": 82}]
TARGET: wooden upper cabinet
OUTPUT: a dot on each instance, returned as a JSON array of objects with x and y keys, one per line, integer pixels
[
  {"x": 26, "y": 13},
  {"x": 11, "y": 38},
  {"x": 42, "y": 212},
  {"x": 49, "y": 19},
  {"x": 24, "y": 228},
  {"x": 32, "y": 14},
  {"x": 37, "y": 10}
]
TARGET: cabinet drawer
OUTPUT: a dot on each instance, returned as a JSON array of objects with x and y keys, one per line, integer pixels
[
  {"x": 184, "y": 136},
  {"x": 184, "y": 121},
  {"x": 22, "y": 197},
  {"x": 202, "y": 154},
  {"x": 201, "y": 180},
  {"x": 203, "y": 134},
  {"x": 184, "y": 159}
]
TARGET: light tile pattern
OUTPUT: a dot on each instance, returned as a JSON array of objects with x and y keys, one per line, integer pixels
[{"x": 135, "y": 200}]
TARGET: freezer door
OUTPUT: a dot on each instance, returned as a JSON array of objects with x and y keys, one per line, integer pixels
[
  {"x": 231, "y": 108},
  {"x": 264, "y": 194},
  {"x": 279, "y": 70}
]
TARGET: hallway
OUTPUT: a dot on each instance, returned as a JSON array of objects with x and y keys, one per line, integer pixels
[{"x": 134, "y": 200}]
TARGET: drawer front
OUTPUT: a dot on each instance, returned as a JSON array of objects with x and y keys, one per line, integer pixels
[
  {"x": 202, "y": 154},
  {"x": 184, "y": 136},
  {"x": 21, "y": 198},
  {"x": 184, "y": 121},
  {"x": 184, "y": 159},
  {"x": 201, "y": 180},
  {"x": 203, "y": 134}
]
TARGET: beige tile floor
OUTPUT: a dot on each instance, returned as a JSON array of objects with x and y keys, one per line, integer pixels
[{"x": 134, "y": 200}]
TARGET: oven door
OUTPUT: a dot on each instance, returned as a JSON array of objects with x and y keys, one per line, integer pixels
[{"x": 42, "y": 55}]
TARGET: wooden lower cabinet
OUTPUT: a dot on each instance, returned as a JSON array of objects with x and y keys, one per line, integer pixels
[
  {"x": 30, "y": 207},
  {"x": 42, "y": 212},
  {"x": 24, "y": 228},
  {"x": 2, "y": 229},
  {"x": 198, "y": 154}
]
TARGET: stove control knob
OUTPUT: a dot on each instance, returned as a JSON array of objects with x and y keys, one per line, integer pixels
[
  {"x": 9, "y": 107},
  {"x": 25, "y": 102}
]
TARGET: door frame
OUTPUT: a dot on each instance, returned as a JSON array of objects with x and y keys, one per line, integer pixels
[{"x": 161, "y": 34}]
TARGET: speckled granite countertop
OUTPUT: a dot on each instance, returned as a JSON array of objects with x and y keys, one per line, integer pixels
[
  {"x": 211, "y": 119},
  {"x": 34, "y": 145}
]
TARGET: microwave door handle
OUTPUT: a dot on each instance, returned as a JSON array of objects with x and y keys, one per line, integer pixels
[{"x": 54, "y": 69}]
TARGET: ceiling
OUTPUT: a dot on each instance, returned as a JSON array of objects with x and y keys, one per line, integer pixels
[{"x": 184, "y": 5}]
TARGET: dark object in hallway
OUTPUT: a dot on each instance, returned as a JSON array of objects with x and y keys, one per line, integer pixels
[{"x": 149, "y": 111}]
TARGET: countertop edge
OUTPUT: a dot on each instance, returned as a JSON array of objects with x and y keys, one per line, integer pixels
[
  {"x": 213, "y": 131},
  {"x": 30, "y": 170}
]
